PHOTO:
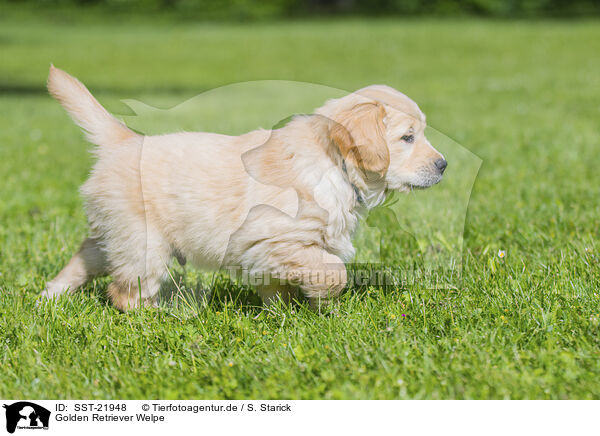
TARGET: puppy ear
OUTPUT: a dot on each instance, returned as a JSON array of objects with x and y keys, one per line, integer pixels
[{"x": 359, "y": 133}]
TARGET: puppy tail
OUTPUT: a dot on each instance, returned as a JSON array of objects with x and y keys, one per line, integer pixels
[{"x": 100, "y": 126}]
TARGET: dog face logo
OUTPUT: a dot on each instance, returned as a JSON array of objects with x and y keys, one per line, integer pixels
[{"x": 26, "y": 415}]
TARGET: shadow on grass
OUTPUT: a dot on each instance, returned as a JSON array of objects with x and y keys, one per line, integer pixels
[{"x": 190, "y": 294}]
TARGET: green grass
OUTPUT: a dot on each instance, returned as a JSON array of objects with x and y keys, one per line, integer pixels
[{"x": 523, "y": 96}]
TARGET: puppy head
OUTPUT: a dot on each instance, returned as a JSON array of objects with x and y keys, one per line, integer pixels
[
  {"x": 360, "y": 134},
  {"x": 380, "y": 132}
]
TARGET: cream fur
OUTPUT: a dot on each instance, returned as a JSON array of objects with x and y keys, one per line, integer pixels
[{"x": 282, "y": 203}]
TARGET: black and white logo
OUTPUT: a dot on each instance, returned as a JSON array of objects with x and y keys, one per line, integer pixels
[{"x": 26, "y": 415}]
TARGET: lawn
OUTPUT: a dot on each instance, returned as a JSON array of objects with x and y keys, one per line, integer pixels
[{"x": 521, "y": 98}]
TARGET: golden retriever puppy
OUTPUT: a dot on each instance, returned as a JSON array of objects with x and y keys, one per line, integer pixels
[{"x": 280, "y": 204}]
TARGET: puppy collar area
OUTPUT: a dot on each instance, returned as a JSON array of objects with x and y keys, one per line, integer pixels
[{"x": 357, "y": 193}]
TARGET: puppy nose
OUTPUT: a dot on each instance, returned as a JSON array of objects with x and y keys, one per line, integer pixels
[{"x": 441, "y": 164}]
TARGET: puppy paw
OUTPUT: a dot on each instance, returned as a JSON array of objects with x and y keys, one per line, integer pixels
[
  {"x": 54, "y": 290},
  {"x": 46, "y": 295}
]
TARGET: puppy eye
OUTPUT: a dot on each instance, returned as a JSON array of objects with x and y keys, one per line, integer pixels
[{"x": 408, "y": 138}]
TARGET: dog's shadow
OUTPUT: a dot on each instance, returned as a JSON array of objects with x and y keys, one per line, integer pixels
[{"x": 190, "y": 292}]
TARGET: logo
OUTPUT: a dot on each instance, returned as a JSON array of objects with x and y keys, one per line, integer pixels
[{"x": 26, "y": 415}]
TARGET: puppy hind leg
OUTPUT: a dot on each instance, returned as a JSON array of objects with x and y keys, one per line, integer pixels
[
  {"x": 126, "y": 296},
  {"x": 89, "y": 262},
  {"x": 137, "y": 284}
]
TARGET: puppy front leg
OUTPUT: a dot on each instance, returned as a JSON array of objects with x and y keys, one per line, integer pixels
[
  {"x": 322, "y": 281},
  {"x": 321, "y": 276}
]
